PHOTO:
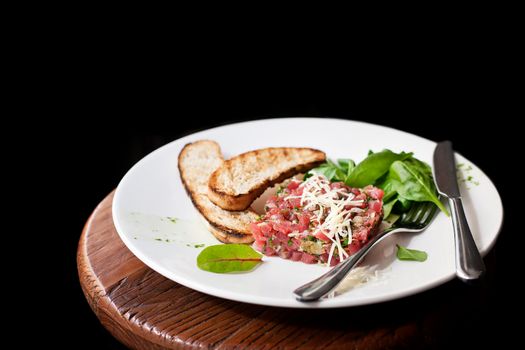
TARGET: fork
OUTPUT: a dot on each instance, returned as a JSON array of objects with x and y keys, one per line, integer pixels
[{"x": 415, "y": 220}]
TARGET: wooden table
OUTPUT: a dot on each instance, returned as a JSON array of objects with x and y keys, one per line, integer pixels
[{"x": 144, "y": 310}]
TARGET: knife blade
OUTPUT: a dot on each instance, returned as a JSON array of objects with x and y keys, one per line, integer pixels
[
  {"x": 469, "y": 264},
  {"x": 445, "y": 170}
]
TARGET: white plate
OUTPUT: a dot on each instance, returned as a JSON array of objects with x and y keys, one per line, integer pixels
[{"x": 152, "y": 190}]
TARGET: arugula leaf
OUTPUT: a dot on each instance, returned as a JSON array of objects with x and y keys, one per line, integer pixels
[
  {"x": 351, "y": 167},
  {"x": 324, "y": 169},
  {"x": 328, "y": 171},
  {"x": 347, "y": 165},
  {"x": 343, "y": 164},
  {"x": 332, "y": 171},
  {"x": 373, "y": 167},
  {"x": 308, "y": 174},
  {"x": 223, "y": 258},
  {"x": 340, "y": 174},
  {"x": 412, "y": 179},
  {"x": 410, "y": 254}
]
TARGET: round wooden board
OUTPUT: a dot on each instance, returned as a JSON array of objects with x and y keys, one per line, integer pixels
[{"x": 144, "y": 310}]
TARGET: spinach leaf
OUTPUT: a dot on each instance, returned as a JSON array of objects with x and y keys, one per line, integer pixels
[
  {"x": 388, "y": 188},
  {"x": 225, "y": 258},
  {"x": 392, "y": 218},
  {"x": 387, "y": 208},
  {"x": 412, "y": 179},
  {"x": 403, "y": 204},
  {"x": 373, "y": 167},
  {"x": 410, "y": 254}
]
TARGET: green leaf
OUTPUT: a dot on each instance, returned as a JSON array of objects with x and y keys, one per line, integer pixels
[
  {"x": 403, "y": 204},
  {"x": 387, "y": 208},
  {"x": 346, "y": 165},
  {"x": 332, "y": 171},
  {"x": 324, "y": 169},
  {"x": 351, "y": 167},
  {"x": 308, "y": 174},
  {"x": 340, "y": 175},
  {"x": 373, "y": 167},
  {"x": 412, "y": 179},
  {"x": 410, "y": 254},
  {"x": 328, "y": 171},
  {"x": 343, "y": 163},
  {"x": 392, "y": 218},
  {"x": 388, "y": 187},
  {"x": 225, "y": 258}
]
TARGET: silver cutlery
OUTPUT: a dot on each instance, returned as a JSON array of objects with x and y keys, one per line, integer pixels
[
  {"x": 415, "y": 220},
  {"x": 469, "y": 264}
]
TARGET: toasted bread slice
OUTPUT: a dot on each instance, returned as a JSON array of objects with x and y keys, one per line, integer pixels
[
  {"x": 241, "y": 179},
  {"x": 197, "y": 161}
]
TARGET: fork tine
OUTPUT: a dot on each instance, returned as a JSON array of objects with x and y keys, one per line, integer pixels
[
  {"x": 409, "y": 215},
  {"x": 427, "y": 214},
  {"x": 406, "y": 215},
  {"x": 423, "y": 210},
  {"x": 431, "y": 214},
  {"x": 415, "y": 220}
]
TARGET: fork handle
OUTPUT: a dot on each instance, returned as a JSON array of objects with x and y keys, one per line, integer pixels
[
  {"x": 469, "y": 264},
  {"x": 323, "y": 285}
]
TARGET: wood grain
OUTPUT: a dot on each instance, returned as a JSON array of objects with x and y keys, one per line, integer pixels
[{"x": 147, "y": 311}]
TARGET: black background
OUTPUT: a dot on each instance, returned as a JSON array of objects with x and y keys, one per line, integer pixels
[{"x": 113, "y": 126}]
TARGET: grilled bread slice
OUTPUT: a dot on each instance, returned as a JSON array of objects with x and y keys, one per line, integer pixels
[
  {"x": 241, "y": 179},
  {"x": 197, "y": 161}
]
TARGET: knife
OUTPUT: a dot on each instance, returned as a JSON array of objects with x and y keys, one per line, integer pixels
[{"x": 469, "y": 264}]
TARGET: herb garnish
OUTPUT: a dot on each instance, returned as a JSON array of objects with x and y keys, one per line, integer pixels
[{"x": 172, "y": 219}]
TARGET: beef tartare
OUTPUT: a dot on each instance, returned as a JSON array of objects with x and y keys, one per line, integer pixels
[{"x": 315, "y": 221}]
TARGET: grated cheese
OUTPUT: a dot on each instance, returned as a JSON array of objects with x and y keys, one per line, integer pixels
[
  {"x": 327, "y": 206},
  {"x": 359, "y": 276}
]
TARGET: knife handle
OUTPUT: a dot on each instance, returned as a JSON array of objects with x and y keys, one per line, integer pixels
[{"x": 469, "y": 264}]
